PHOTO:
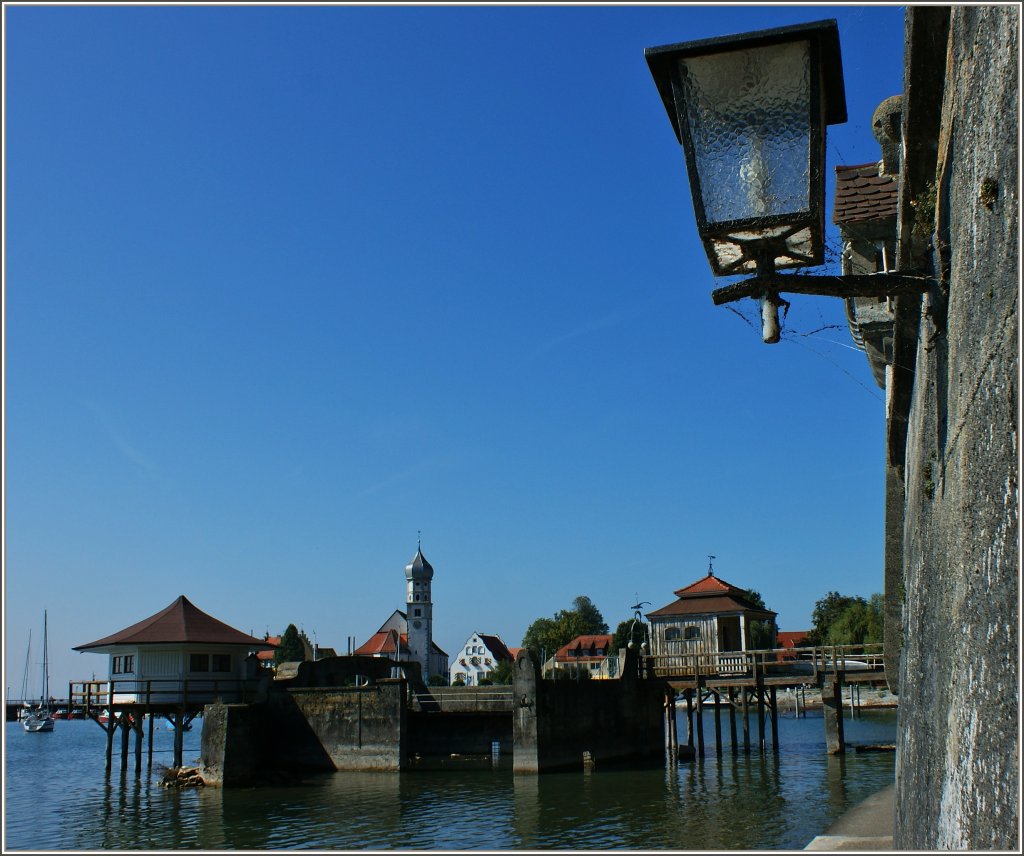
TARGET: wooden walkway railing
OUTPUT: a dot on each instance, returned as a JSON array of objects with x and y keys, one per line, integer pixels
[
  {"x": 159, "y": 694},
  {"x": 809, "y": 662}
]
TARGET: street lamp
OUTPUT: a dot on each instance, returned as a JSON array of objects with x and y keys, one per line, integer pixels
[{"x": 750, "y": 112}]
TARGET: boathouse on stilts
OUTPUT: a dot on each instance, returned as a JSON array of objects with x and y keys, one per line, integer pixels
[
  {"x": 705, "y": 632},
  {"x": 170, "y": 665}
]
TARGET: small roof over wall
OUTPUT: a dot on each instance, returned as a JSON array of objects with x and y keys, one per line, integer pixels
[
  {"x": 710, "y": 596},
  {"x": 180, "y": 623}
]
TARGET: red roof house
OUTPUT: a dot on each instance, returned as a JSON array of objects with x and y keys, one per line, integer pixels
[{"x": 591, "y": 651}]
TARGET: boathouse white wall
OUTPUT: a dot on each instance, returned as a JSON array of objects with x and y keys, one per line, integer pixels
[{"x": 164, "y": 671}]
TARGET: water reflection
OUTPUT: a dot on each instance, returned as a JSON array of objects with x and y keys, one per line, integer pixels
[{"x": 728, "y": 801}]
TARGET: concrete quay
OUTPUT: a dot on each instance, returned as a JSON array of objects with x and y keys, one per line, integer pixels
[{"x": 862, "y": 827}]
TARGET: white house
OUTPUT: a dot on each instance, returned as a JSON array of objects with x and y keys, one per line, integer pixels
[
  {"x": 478, "y": 657},
  {"x": 180, "y": 651}
]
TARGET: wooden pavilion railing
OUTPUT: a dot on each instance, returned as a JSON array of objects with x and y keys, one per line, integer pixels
[
  {"x": 782, "y": 661},
  {"x": 96, "y": 696}
]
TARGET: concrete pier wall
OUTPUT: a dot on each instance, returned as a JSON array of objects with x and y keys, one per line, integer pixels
[
  {"x": 341, "y": 728},
  {"x": 562, "y": 725}
]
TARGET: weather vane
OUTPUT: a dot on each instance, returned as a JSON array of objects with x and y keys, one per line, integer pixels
[{"x": 711, "y": 570}]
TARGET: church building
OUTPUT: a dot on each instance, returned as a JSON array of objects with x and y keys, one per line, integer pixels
[{"x": 409, "y": 635}]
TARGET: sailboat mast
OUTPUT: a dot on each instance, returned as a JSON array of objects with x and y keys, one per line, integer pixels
[{"x": 46, "y": 664}]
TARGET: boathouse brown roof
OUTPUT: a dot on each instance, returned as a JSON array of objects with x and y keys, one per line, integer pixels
[
  {"x": 181, "y": 622},
  {"x": 710, "y": 595}
]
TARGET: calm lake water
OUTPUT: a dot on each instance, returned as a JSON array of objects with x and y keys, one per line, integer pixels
[{"x": 59, "y": 798}]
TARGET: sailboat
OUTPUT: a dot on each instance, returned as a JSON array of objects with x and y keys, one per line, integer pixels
[{"x": 38, "y": 717}]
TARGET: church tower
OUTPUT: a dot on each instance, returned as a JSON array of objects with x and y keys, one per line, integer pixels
[{"x": 419, "y": 609}]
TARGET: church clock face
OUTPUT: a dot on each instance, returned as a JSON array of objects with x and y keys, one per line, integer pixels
[{"x": 417, "y": 624}]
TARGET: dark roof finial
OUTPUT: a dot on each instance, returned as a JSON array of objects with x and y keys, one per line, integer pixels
[{"x": 711, "y": 570}]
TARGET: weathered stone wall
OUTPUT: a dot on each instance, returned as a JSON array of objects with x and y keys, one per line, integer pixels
[
  {"x": 958, "y": 761},
  {"x": 556, "y": 722},
  {"x": 234, "y": 737},
  {"x": 343, "y": 728}
]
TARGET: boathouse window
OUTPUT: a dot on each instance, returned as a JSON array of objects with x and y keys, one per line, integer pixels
[
  {"x": 671, "y": 634},
  {"x": 199, "y": 662},
  {"x": 691, "y": 632},
  {"x": 124, "y": 664},
  {"x": 220, "y": 662}
]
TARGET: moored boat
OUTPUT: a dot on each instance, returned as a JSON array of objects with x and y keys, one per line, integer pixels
[{"x": 37, "y": 717}]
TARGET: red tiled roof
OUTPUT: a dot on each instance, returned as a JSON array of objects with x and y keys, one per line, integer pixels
[
  {"x": 709, "y": 584},
  {"x": 384, "y": 642},
  {"x": 791, "y": 638},
  {"x": 514, "y": 652},
  {"x": 265, "y": 656},
  {"x": 179, "y": 623},
  {"x": 597, "y": 641},
  {"x": 706, "y": 605},
  {"x": 863, "y": 194}
]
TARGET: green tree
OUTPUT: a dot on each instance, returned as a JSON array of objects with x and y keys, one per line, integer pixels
[
  {"x": 621, "y": 639},
  {"x": 291, "y": 649},
  {"x": 504, "y": 672},
  {"x": 546, "y": 635},
  {"x": 859, "y": 623},
  {"x": 762, "y": 633},
  {"x": 825, "y": 613}
]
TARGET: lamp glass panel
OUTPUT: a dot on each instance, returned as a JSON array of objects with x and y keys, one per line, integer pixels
[{"x": 749, "y": 117}]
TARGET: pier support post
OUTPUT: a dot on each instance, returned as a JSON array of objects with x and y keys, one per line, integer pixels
[
  {"x": 124, "y": 726},
  {"x": 759, "y": 689},
  {"x": 700, "y": 716},
  {"x": 137, "y": 728},
  {"x": 179, "y": 736},
  {"x": 832, "y": 711},
  {"x": 109, "y": 727},
  {"x": 746, "y": 718},
  {"x": 774, "y": 710},
  {"x": 149, "y": 744},
  {"x": 732, "y": 720},
  {"x": 671, "y": 738},
  {"x": 689, "y": 717},
  {"x": 718, "y": 723}
]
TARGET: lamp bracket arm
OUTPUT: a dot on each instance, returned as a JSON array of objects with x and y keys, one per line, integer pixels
[{"x": 849, "y": 285}]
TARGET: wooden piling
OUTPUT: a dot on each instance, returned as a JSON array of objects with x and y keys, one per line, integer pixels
[
  {"x": 123, "y": 724},
  {"x": 746, "y": 718},
  {"x": 109, "y": 727},
  {"x": 718, "y": 722},
  {"x": 759, "y": 689},
  {"x": 149, "y": 743},
  {"x": 774, "y": 709},
  {"x": 179, "y": 735},
  {"x": 832, "y": 713},
  {"x": 689, "y": 717},
  {"x": 700, "y": 716},
  {"x": 732, "y": 720}
]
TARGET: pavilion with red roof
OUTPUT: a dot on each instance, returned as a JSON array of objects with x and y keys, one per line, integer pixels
[
  {"x": 709, "y": 616},
  {"x": 179, "y": 643}
]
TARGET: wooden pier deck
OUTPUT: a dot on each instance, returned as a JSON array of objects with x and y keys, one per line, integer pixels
[
  {"x": 129, "y": 705},
  {"x": 748, "y": 681}
]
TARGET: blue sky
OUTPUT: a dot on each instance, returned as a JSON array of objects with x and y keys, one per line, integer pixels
[{"x": 286, "y": 285}]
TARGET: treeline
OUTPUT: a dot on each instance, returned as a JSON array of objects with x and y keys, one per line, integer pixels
[{"x": 845, "y": 620}]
